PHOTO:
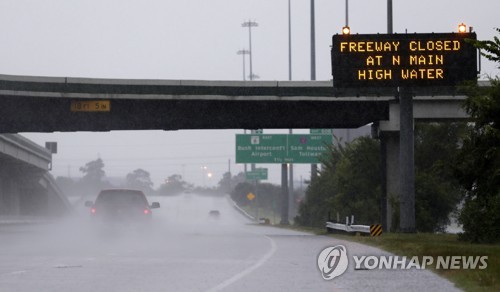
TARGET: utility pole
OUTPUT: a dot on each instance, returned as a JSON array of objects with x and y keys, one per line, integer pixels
[
  {"x": 314, "y": 167},
  {"x": 250, "y": 24}
]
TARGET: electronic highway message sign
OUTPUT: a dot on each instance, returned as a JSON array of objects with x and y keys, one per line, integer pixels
[{"x": 378, "y": 60}]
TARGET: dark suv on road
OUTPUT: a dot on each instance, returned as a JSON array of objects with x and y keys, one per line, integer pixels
[{"x": 121, "y": 206}]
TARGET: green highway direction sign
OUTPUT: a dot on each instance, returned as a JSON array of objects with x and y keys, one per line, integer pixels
[
  {"x": 281, "y": 148},
  {"x": 257, "y": 174}
]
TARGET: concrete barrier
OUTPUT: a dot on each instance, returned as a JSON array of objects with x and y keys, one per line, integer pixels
[{"x": 237, "y": 208}]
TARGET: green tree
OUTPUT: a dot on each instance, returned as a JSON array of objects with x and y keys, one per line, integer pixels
[
  {"x": 478, "y": 167},
  {"x": 93, "y": 172},
  {"x": 93, "y": 178},
  {"x": 437, "y": 191},
  {"x": 349, "y": 184},
  {"x": 317, "y": 203},
  {"x": 269, "y": 197},
  {"x": 228, "y": 182},
  {"x": 491, "y": 49},
  {"x": 358, "y": 181},
  {"x": 173, "y": 185},
  {"x": 239, "y": 193},
  {"x": 140, "y": 179}
]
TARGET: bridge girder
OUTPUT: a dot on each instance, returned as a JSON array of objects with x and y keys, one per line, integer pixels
[{"x": 42, "y": 104}]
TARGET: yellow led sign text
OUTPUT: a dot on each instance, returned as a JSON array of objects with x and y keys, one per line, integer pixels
[{"x": 398, "y": 60}]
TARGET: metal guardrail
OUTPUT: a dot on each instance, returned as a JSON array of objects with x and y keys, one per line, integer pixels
[
  {"x": 330, "y": 226},
  {"x": 373, "y": 230}
]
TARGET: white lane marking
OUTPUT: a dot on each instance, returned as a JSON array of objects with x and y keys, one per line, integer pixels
[
  {"x": 13, "y": 273},
  {"x": 63, "y": 266},
  {"x": 247, "y": 271}
]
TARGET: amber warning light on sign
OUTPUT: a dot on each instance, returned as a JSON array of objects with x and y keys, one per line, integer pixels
[{"x": 437, "y": 59}]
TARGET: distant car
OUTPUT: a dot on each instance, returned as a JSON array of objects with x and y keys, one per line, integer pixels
[
  {"x": 121, "y": 206},
  {"x": 214, "y": 214}
]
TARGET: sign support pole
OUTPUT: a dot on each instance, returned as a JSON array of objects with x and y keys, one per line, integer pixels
[
  {"x": 256, "y": 200},
  {"x": 406, "y": 162},
  {"x": 284, "y": 195},
  {"x": 291, "y": 199}
]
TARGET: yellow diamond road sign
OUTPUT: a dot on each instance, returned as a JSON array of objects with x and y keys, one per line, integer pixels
[{"x": 250, "y": 196}]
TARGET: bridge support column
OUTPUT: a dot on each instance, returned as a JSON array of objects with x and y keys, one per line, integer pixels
[
  {"x": 34, "y": 201},
  {"x": 9, "y": 196},
  {"x": 406, "y": 160},
  {"x": 390, "y": 148}
]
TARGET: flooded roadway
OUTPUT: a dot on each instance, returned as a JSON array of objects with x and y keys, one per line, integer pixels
[{"x": 185, "y": 250}]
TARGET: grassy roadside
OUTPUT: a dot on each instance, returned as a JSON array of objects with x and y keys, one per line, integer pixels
[
  {"x": 263, "y": 213},
  {"x": 425, "y": 244}
]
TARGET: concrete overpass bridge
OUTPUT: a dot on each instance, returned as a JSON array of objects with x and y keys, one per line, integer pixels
[
  {"x": 26, "y": 187},
  {"x": 46, "y": 104}
]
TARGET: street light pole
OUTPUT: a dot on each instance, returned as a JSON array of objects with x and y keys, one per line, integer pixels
[
  {"x": 389, "y": 17},
  {"x": 289, "y": 41},
  {"x": 290, "y": 180},
  {"x": 314, "y": 167},
  {"x": 346, "y": 12},
  {"x": 243, "y": 53},
  {"x": 313, "y": 43},
  {"x": 250, "y": 24},
  {"x": 385, "y": 207}
]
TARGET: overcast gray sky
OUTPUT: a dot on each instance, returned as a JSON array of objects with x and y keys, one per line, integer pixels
[{"x": 193, "y": 39}]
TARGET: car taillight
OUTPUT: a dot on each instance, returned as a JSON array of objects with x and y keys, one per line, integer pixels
[
  {"x": 146, "y": 211},
  {"x": 92, "y": 210}
]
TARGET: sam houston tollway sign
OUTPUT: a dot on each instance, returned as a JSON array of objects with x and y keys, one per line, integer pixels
[{"x": 378, "y": 60}]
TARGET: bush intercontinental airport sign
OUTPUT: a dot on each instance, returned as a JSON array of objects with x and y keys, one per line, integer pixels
[{"x": 377, "y": 60}]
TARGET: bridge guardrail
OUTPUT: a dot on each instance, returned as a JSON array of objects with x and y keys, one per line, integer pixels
[{"x": 373, "y": 230}]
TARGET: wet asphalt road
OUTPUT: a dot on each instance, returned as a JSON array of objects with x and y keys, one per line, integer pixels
[{"x": 185, "y": 250}]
